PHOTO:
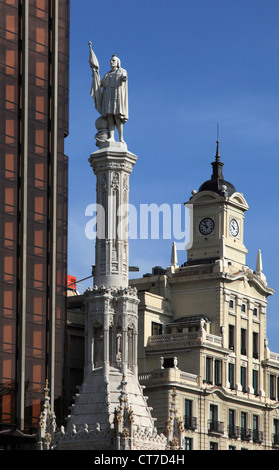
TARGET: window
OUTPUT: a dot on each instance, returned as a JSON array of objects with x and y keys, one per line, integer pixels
[
  {"x": 208, "y": 377},
  {"x": 243, "y": 341},
  {"x": 232, "y": 429},
  {"x": 256, "y": 382},
  {"x": 214, "y": 425},
  {"x": 232, "y": 448},
  {"x": 255, "y": 311},
  {"x": 231, "y": 304},
  {"x": 245, "y": 432},
  {"x": 255, "y": 422},
  {"x": 156, "y": 329},
  {"x": 213, "y": 413},
  {"x": 231, "y": 337},
  {"x": 255, "y": 345},
  {"x": 188, "y": 443},
  {"x": 243, "y": 308},
  {"x": 272, "y": 387},
  {"x": 188, "y": 407},
  {"x": 231, "y": 375},
  {"x": 243, "y": 419},
  {"x": 243, "y": 374},
  {"x": 275, "y": 440},
  {"x": 189, "y": 421},
  {"x": 213, "y": 446},
  {"x": 231, "y": 417},
  {"x": 218, "y": 372},
  {"x": 257, "y": 434}
]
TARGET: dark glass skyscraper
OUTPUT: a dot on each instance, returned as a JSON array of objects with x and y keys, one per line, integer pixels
[{"x": 34, "y": 74}]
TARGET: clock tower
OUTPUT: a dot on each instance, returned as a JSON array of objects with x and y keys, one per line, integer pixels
[
  {"x": 205, "y": 321},
  {"x": 218, "y": 212}
]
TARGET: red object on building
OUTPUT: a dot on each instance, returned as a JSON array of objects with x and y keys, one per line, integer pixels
[{"x": 71, "y": 282}]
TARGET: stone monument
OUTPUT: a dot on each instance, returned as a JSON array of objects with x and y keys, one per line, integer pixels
[
  {"x": 110, "y": 410},
  {"x": 111, "y": 99}
]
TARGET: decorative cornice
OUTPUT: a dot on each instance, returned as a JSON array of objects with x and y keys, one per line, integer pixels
[{"x": 112, "y": 291}]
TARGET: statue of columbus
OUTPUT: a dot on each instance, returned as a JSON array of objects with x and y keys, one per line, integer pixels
[{"x": 110, "y": 97}]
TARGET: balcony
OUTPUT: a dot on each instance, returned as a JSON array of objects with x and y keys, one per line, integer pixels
[
  {"x": 234, "y": 431},
  {"x": 275, "y": 440},
  {"x": 172, "y": 340},
  {"x": 190, "y": 422},
  {"x": 167, "y": 375},
  {"x": 181, "y": 340},
  {"x": 246, "y": 434},
  {"x": 215, "y": 427},
  {"x": 257, "y": 436}
]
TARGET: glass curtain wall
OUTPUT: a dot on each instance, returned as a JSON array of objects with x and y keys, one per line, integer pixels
[{"x": 47, "y": 181}]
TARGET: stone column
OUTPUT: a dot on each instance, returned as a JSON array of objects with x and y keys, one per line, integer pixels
[{"x": 112, "y": 166}]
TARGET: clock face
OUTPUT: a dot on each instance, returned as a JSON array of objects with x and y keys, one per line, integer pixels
[
  {"x": 234, "y": 228},
  {"x": 206, "y": 226}
]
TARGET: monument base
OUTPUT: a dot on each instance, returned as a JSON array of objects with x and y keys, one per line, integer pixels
[{"x": 110, "y": 415}]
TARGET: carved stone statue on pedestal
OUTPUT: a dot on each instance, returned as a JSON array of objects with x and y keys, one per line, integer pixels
[
  {"x": 111, "y": 99},
  {"x": 110, "y": 411}
]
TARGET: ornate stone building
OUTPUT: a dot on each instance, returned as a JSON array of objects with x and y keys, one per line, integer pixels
[{"x": 204, "y": 340}]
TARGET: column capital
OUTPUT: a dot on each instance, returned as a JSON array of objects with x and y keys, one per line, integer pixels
[{"x": 112, "y": 159}]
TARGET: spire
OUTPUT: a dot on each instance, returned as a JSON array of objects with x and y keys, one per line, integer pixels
[
  {"x": 217, "y": 182},
  {"x": 217, "y": 165},
  {"x": 259, "y": 266},
  {"x": 174, "y": 255},
  {"x": 217, "y": 156}
]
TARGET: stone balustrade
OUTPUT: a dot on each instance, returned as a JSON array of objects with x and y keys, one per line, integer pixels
[{"x": 181, "y": 340}]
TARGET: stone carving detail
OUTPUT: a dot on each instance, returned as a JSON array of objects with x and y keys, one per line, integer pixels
[
  {"x": 115, "y": 181},
  {"x": 174, "y": 428},
  {"x": 113, "y": 291},
  {"x": 104, "y": 182},
  {"x": 113, "y": 166},
  {"x": 47, "y": 424},
  {"x": 100, "y": 437},
  {"x": 131, "y": 324},
  {"x": 125, "y": 184}
]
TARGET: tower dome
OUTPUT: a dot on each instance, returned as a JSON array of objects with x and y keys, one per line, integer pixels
[{"x": 217, "y": 183}]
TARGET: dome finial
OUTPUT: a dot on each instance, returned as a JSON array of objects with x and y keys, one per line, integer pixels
[
  {"x": 217, "y": 165},
  {"x": 217, "y": 156},
  {"x": 217, "y": 182}
]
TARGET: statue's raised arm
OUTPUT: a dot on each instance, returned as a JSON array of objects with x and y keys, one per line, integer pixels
[{"x": 112, "y": 102}]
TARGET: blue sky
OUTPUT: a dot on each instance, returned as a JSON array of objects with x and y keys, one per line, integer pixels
[{"x": 191, "y": 64}]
